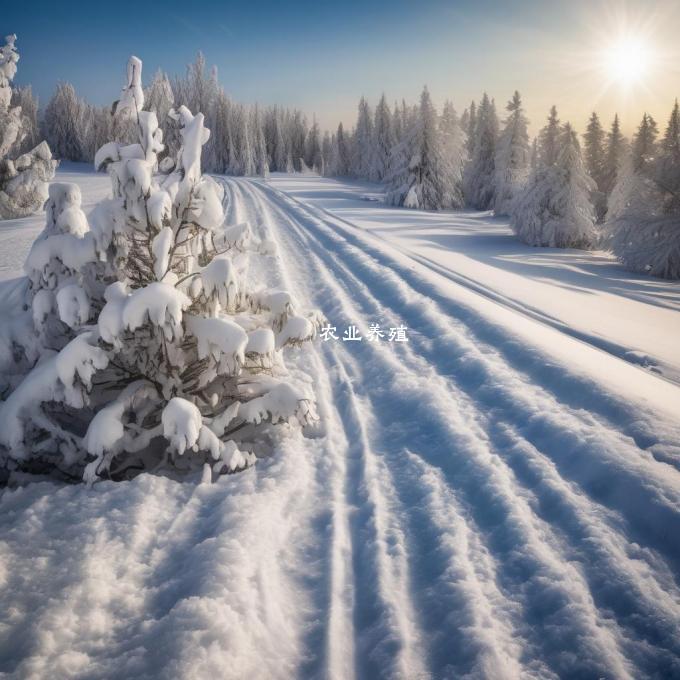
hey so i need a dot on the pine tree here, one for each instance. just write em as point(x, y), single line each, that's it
point(594, 157)
point(555, 209)
point(512, 157)
point(160, 98)
point(644, 142)
point(383, 141)
point(549, 140)
point(593, 149)
point(533, 160)
point(480, 174)
point(643, 226)
point(24, 99)
point(24, 174)
point(297, 133)
point(62, 123)
point(471, 129)
point(152, 368)
point(668, 168)
point(362, 151)
point(313, 147)
point(260, 150)
point(616, 147)
point(424, 177)
point(279, 152)
point(453, 143)
point(326, 153)
point(397, 127)
point(340, 164)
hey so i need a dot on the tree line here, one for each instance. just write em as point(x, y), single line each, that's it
point(558, 190)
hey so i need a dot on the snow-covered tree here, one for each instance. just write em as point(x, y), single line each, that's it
point(533, 158)
point(340, 154)
point(593, 148)
point(362, 147)
point(512, 157)
point(23, 176)
point(453, 143)
point(555, 210)
point(616, 148)
point(470, 127)
point(297, 135)
point(162, 355)
point(383, 141)
point(313, 147)
point(423, 175)
point(594, 158)
point(549, 140)
point(23, 97)
point(159, 97)
point(480, 174)
point(643, 224)
point(63, 123)
point(644, 142)
point(326, 152)
point(260, 146)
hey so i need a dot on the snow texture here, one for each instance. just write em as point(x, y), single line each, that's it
point(496, 498)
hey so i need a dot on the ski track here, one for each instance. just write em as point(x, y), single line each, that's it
point(464, 508)
point(539, 555)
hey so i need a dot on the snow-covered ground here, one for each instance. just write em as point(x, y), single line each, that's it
point(586, 295)
point(499, 497)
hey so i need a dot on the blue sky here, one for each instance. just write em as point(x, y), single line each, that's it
point(321, 56)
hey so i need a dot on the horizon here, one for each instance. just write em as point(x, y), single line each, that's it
point(582, 58)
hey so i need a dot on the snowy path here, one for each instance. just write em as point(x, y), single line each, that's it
point(483, 504)
point(490, 523)
point(586, 295)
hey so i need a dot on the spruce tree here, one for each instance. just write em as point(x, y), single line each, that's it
point(512, 157)
point(643, 227)
point(140, 345)
point(480, 174)
point(555, 209)
point(453, 142)
point(383, 141)
point(594, 157)
point(644, 142)
point(549, 140)
point(362, 152)
point(24, 174)
point(423, 176)
point(616, 147)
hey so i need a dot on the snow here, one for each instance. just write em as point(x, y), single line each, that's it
point(498, 497)
point(182, 422)
point(73, 305)
point(160, 247)
point(223, 340)
point(585, 295)
point(221, 283)
point(17, 236)
point(160, 303)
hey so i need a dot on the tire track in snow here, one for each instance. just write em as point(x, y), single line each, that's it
point(639, 596)
point(483, 371)
point(387, 639)
point(611, 660)
point(641, 603)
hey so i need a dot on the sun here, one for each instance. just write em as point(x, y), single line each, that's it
point(627, 61)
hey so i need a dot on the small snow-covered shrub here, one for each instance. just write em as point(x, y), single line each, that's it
point(23, 179)
point(142, 345)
